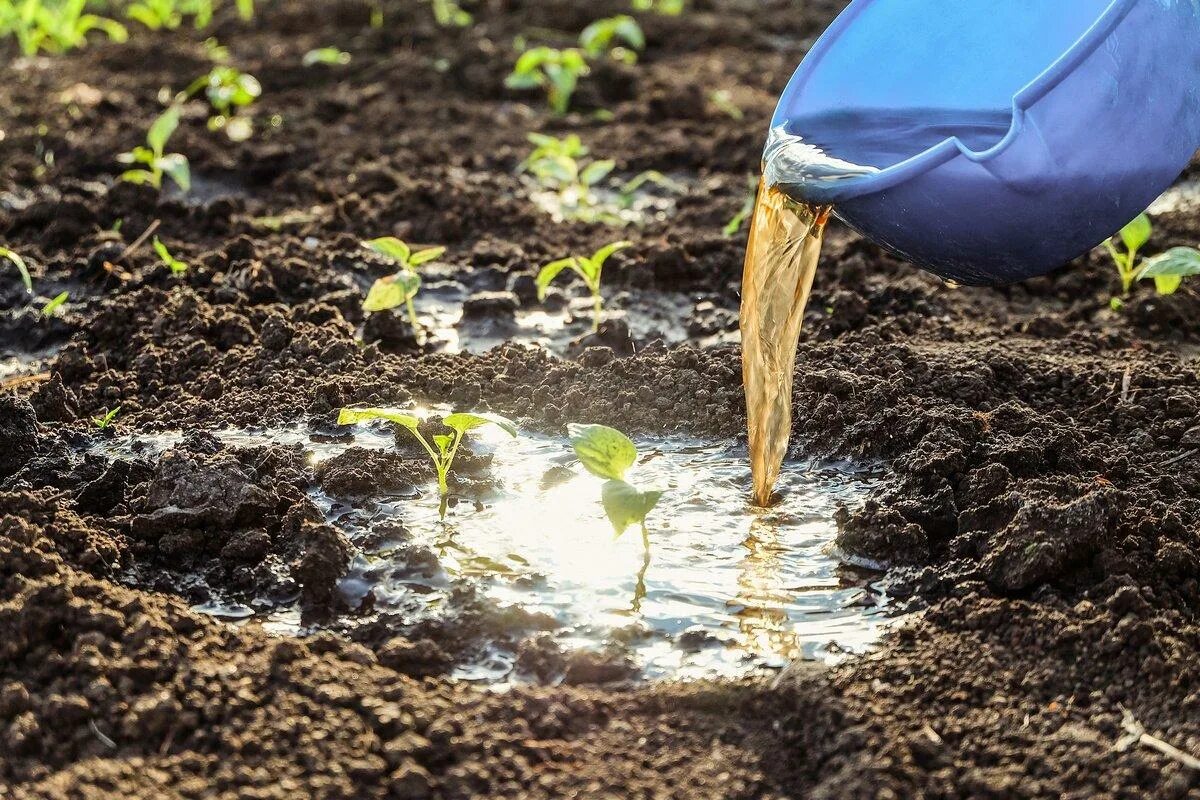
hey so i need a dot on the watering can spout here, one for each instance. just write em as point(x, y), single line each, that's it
point(991, 142)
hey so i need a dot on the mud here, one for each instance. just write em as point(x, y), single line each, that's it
point(1042, 510)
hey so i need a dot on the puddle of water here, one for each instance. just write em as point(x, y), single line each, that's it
point(729, 588)
point(647, 203)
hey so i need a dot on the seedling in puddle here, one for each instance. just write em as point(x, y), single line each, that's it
point(41, 26)
point(155, 162)
point(22, 268)
point(105, 418)
point(227, 89)
point(401, 288)
point(589, 268)
point(556, 71)
point(444, 447)
point(325, 55)
point(606, 36)
point(172, 263)
point(53, 307)
point(449, 14)
point(558, 165)
point(607, 453)
point(629, 189)
point(1167, 269)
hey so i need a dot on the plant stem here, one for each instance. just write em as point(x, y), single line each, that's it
point(412, 313)
point(597, 310)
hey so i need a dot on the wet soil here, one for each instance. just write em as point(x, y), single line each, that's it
point(1042, 510)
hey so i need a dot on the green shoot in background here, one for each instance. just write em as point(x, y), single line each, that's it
point(172, 263)
point(155, 162)
point(606, 36)
point(1166, 269)
point(54, 26)
point(670, 8)
point(449, 14)
point(55, 306)
point(326, 55)
point(608, 454)
point(228, 89)
point(443, 447)
point(401, 288)
point(558, 165)
point(739, 219)
point(553, 70)
point(22, 267)
point(589, 268)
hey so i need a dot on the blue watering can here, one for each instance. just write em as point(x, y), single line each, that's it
point(990, 141)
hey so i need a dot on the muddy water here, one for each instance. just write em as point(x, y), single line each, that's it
point(729, 588)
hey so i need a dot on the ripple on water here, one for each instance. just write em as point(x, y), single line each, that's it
point(729, 588)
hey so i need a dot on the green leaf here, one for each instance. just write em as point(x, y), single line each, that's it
point(1178, 262)
point(176, 166)
point(466, 421)
point(391, 247)
point(139, 176)
point(392, 291)
point(422, 256)
point(162, 128)
point(1136, 233)
point(443, 442)
point(625, 505)
point(51, 308)
point(596, 171)
point(524, 80)
point(548, 273)
point(605, 452)
point(1167, 284)
point(601, 255)
point(351, 416)
point(325, 55)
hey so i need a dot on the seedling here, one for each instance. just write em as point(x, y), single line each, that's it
point(449, 14)
point(627, 195)
point(1167, 269)
point(1133, 236)
point(722, 100)
point(58, 27)
point(558, 165)
point(606, 35)
point(588, 268)
point(443, 447)
point(172, 263)
point(156, 14)
point(21, 266)
point(390, 292)
point(157, 163)
point(326, 55)
point(228, 89)
point(608, 454)
point(671, 8)
point(52, 307)
point(105, 418)
point(739, 219)
point(556, 71)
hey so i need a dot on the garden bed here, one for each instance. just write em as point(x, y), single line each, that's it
point(1034, 455)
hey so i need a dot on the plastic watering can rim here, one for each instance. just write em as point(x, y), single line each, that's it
point(952, 146)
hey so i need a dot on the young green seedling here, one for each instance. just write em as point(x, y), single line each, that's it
point(558, 165)
point(1167, 269)
point(590, 269)
point(172, 263)
point(228, 89)
point(22, 267)
point(330, 56)
point(608, 454)
point(444, 447)
point(556, 71)
point(605, 36)
point(1133, 236)
point(156, 163)
point(58, 27)
point(628, 193)
point(449, 14)
point(1170, 268)
point(156, 14)
point(671, 8)
point(52, 307)
point(390, 292)
point(105, 418)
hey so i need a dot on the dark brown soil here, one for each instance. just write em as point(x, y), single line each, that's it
point(1043, 510)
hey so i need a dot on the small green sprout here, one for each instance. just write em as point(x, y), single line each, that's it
point(556, 71)
point(605, 36)
point(53, 307)
point(228, 89)
point(722, 100)
point(157, 14)
point(449, 14)
point(326, 55)
point(390, 292)
point(444, 447)
point(1133, 236)
point(739, 219)
point(558, 165)
point(627, 195)
point(157, 163)
point(1170, 268)
point(22, 267)
point(54, 27)
point(172, 263)
point(589, 269)
point(1167, 269)
point(608, 454)
point(670, 8)
point(105, 417)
